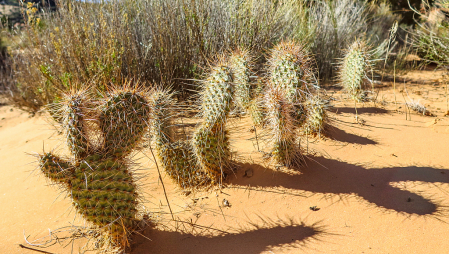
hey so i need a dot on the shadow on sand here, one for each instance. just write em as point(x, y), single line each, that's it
point(338, 180)
point(249, 241)
point(366, 110)
point(340, 135)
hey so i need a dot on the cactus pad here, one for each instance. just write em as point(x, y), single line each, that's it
point(353, 70)
point(240, 63)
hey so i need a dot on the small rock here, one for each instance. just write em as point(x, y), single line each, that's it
point(226, 203)
point(248, 173)
point(186, 193)
point(314, 208)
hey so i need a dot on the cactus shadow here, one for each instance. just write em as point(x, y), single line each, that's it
point(338, 180)
point(257, 240)
point(361, 110)
point(340, 135)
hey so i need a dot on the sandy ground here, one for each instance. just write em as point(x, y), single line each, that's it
point(380, 187)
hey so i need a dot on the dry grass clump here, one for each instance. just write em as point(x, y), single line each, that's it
point(431, 36)
point(336, 23)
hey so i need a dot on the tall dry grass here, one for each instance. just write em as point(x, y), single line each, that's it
point(337, 23)
point(163, 41)
point(430, 38)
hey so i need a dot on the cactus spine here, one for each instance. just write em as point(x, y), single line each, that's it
point(210, 141)
point(353, 70)
point(176, 157)
point(100, 183)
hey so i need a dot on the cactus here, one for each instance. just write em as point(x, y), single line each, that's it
point(290, 69)
point(176, 157)
point(354, 69)
point(99, 180)
point(281, 125)
point(240, 63)
point(210, 141)
point(316, 121)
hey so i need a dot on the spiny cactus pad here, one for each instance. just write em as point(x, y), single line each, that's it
point(104, 192)
point(290, 69)
point(354, 69)
point(316, 120)
point(73, 123)
point(99, 179)
point(240, 63)
point(116, 115)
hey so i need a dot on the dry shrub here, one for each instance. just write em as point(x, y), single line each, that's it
point(431, 35)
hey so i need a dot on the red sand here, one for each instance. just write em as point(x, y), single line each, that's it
point(381, 187)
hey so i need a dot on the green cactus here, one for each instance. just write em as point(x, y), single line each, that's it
point(74, 124)
point(290, 69)
point(122, 109)
point(354, 69)
point(176, 157)
point(316, 121)
point(282, 127)
point(99, 179)
point(240, 63)
point(210, 141)
point(256, 110)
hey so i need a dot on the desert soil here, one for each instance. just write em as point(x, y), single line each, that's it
point(377, 187)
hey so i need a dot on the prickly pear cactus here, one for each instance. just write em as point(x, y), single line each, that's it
point(256, 109)
point(98, 178)
point(354, 69)
point(210, 141)
point(282, 127)
point(240, 63)
point(316, 121)
point(176, 157)
point(290, 69)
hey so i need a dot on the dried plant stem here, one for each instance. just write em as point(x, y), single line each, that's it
point(447, 102)
point(257, 141)
point(41, 251)
point(162, 182)
point(394, 85)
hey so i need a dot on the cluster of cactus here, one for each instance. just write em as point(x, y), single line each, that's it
point(205, 157)
point(354, 70)
point(291, 88)
point(98, 178)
